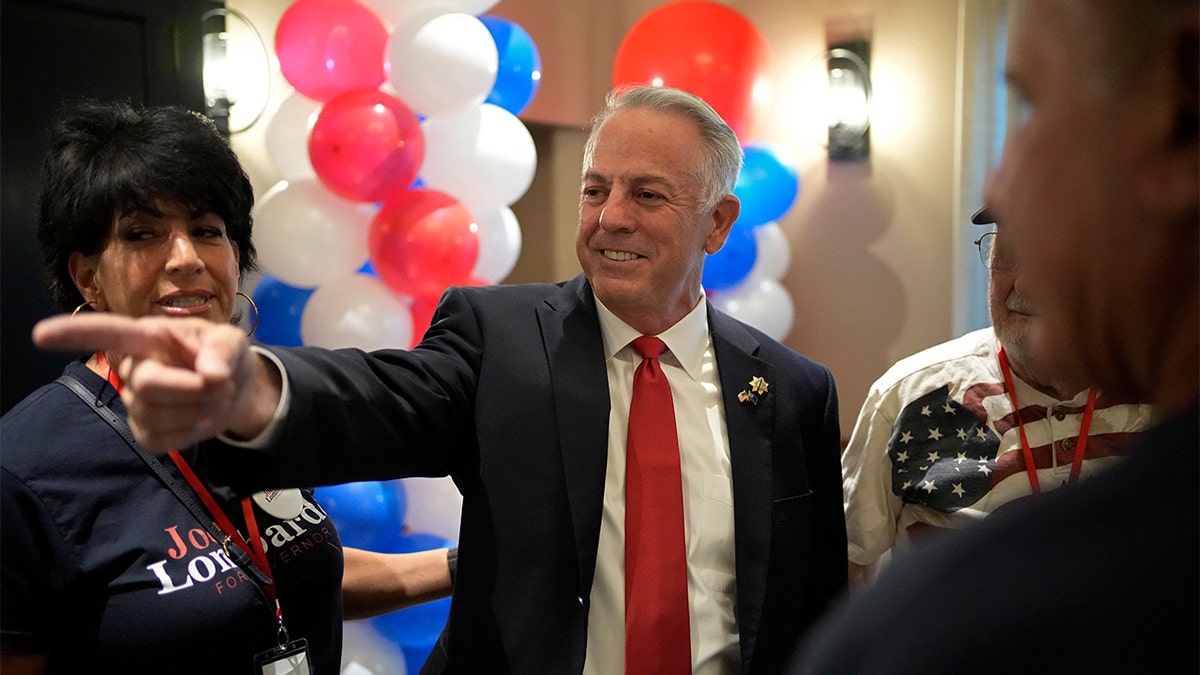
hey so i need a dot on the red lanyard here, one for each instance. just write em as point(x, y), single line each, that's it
point(1080, 445)
point(254, 548)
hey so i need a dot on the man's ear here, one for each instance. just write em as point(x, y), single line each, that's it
point(725, 213)
point(1168, 183)
point(1186, 50)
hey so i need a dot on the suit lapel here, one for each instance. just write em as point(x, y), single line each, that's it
point(750, 426)
point(575, 354)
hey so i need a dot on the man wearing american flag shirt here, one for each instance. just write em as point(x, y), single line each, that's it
point(937, 445)
point(1096, 193)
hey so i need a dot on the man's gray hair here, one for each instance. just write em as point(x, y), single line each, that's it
point(722, 151)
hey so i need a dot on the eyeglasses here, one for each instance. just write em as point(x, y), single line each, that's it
point(990, 259)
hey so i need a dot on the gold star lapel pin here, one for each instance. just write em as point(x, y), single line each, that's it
point(758, 388)
point(758, 385)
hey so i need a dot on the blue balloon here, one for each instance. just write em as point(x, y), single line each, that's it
point(767, 185)
point(519, 71)
point(416, 656)
point(415, 628)
point(411, 542)
point(280, 307)
point(368, 514)
point(730, 266)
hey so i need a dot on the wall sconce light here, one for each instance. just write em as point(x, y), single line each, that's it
point(849, 72)
point(237, 79)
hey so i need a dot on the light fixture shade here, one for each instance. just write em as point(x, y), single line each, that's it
point(849, 101)
point(216, 73)
point(236, 70)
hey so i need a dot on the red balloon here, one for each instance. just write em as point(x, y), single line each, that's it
point(708, 49)
point(366, 146)
point(327, 47)
point(422, 315)
point(423, 241)
point(422, 309)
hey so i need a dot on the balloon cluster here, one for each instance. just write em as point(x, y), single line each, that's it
point(397, 516)
point(716, 53)
point(400, 153)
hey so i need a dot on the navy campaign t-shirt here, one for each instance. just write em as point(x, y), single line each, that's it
point(102, 564)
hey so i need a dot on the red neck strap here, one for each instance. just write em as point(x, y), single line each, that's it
point(253, 547)
point(1080, 445)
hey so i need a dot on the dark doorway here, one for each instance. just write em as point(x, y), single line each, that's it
point(144, 51)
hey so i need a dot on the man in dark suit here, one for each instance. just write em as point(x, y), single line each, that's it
point(521, 394)
point(1099, 197)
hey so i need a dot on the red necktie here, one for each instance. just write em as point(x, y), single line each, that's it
point(656, 598)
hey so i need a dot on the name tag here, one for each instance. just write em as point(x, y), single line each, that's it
point(290, 659)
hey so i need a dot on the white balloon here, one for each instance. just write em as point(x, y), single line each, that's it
point(484, 158)
point(367, 652)
point(499, 244)
point(306, 235)
point(356, 311)
point(774, 252)
point(446, 67)
point(434, 506)
point(762, 303)
point(287, 136)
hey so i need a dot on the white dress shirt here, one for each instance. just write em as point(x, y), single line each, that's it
point(691, 369)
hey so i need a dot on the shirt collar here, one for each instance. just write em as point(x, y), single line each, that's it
point(686, 340)
point(1028, 394)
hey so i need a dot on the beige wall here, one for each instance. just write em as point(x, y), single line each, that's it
point(875, 244)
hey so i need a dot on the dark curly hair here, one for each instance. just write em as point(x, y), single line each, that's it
point(107, 157)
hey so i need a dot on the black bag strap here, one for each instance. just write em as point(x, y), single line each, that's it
point(185, 494)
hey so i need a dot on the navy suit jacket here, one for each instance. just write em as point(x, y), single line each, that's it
point(508, 394)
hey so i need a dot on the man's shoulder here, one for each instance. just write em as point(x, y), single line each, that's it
point(952, 359)
point(731, 336)
point(522, 293)
point(729, 327)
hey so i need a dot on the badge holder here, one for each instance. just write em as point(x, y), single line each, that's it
point(289, 658)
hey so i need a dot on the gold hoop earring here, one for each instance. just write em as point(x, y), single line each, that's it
point(81, 306)
point(254, 307)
